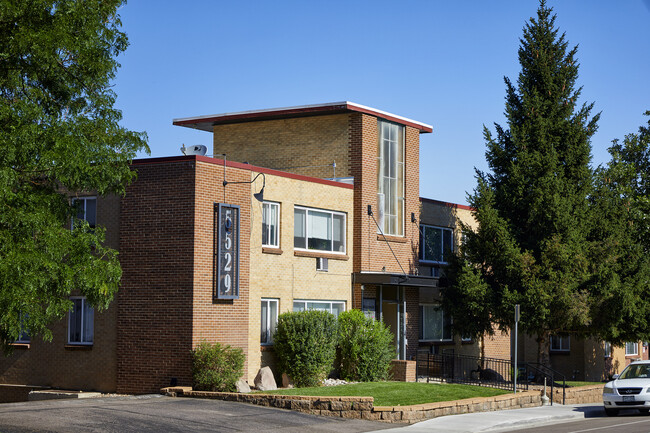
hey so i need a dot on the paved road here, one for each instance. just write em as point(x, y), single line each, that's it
point(628, 422)
point(157, 413)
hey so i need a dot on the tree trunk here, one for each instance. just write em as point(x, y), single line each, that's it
point(544, 348)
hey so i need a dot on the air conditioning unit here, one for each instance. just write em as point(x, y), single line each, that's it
point(321, 264)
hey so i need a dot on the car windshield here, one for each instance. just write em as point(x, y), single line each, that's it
point(634, 371)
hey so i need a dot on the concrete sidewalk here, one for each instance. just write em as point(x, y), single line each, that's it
point(504, 420)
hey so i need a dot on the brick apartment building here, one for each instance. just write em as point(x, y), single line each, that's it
point(205, 257)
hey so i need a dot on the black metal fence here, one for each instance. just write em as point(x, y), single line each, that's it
point(493, 372)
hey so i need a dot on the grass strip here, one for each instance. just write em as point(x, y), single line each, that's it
point(397, 393)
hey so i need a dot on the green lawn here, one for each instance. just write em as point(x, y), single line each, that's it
point(573, 383)
point(397, 393)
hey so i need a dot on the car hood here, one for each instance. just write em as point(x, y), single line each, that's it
point(629, 383)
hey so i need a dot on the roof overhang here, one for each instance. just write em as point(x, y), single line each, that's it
point(206, 123)
point(389, 279)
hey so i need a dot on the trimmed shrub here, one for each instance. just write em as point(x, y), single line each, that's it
point(365, 347)
point(216, 367)
point(304, 344)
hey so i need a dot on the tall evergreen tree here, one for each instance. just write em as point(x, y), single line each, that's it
point(621, 202)
point(532, 245)
point(59, 135)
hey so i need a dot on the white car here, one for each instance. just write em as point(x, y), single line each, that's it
point(629, 390)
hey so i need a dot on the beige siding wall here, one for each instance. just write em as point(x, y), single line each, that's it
point(283, 275)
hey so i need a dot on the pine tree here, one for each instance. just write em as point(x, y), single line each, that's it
point(59, 135)
point(532, 246)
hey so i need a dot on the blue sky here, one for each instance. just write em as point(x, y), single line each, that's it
point(438, 62)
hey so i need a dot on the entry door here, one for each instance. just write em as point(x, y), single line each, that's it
point(390, 315)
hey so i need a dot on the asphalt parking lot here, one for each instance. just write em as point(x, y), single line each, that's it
point(153, 413)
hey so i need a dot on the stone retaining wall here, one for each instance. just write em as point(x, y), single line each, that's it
point(363, 407)
point(582, 394)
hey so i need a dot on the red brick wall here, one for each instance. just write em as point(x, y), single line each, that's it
point(166, 250)
point(155, 301)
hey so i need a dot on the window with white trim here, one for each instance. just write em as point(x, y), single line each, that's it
point(560, 343)
point(435, 325)
point(81, 322)
point(334, 307)
point(269, 320)
point(270, 224)
point(436, 243)
point(320, 230)
point(86, 209)
point(390, 176)
point(631, 348)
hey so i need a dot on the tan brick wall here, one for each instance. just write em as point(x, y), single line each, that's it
point(283, 143)
point(497, 345)
point(289, 277)
point(57, 364)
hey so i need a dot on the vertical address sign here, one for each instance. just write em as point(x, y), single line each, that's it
point(227, 251)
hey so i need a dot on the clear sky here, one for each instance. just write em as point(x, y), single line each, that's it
point(438, 62)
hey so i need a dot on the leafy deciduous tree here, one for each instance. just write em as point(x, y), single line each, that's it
point(59, 133)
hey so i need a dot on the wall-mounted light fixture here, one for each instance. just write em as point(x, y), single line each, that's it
point(258, 195)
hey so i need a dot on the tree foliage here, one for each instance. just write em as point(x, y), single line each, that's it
point(533, 245)
point(60, 136)
point(621, 201)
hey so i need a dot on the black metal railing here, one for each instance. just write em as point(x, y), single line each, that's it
point(471, 370)
point(493, 372)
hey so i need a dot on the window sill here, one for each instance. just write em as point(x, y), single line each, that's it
point(320, 254)
point(389, 238)
point(560, 352)
point(466, 341)
point(20, 345)
point(436, 342)
point(271, 250)
point(78, 347)
point(267, 348)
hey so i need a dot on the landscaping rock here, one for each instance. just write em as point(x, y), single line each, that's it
point(242, 386)
point(286, 381)
point(264, 381)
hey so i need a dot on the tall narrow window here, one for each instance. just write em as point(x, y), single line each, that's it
point(24, 332)
point(81, 322)
point(86, 209)
point(270, 224)
point(269, 320)
point(390, 177)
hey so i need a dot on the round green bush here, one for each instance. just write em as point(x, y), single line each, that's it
point(216, 367)
point(304, 344)
point(365, 347)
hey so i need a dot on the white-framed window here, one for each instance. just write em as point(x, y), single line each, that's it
point(607, 349)
point(334, 307)
point(390, 176)
point(270, 224)
point(86, 209)
point(24, 336)
point(435, 325)
point(560, 343)
point(321, 230)
point(81, 320)
point(631, 348)
point(436, 243)
point(269, 320)
point(465, 339)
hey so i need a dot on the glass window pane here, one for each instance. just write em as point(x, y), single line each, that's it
point(337, 308)
point(74, 334)
point(339, 233)
point(320, 306)
point(446, 244)
point(88, 323)
point(298, 306)
point(320, 230)
point(273, 318)
point(264, 321)
point(299, 229)
point(91, 211)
